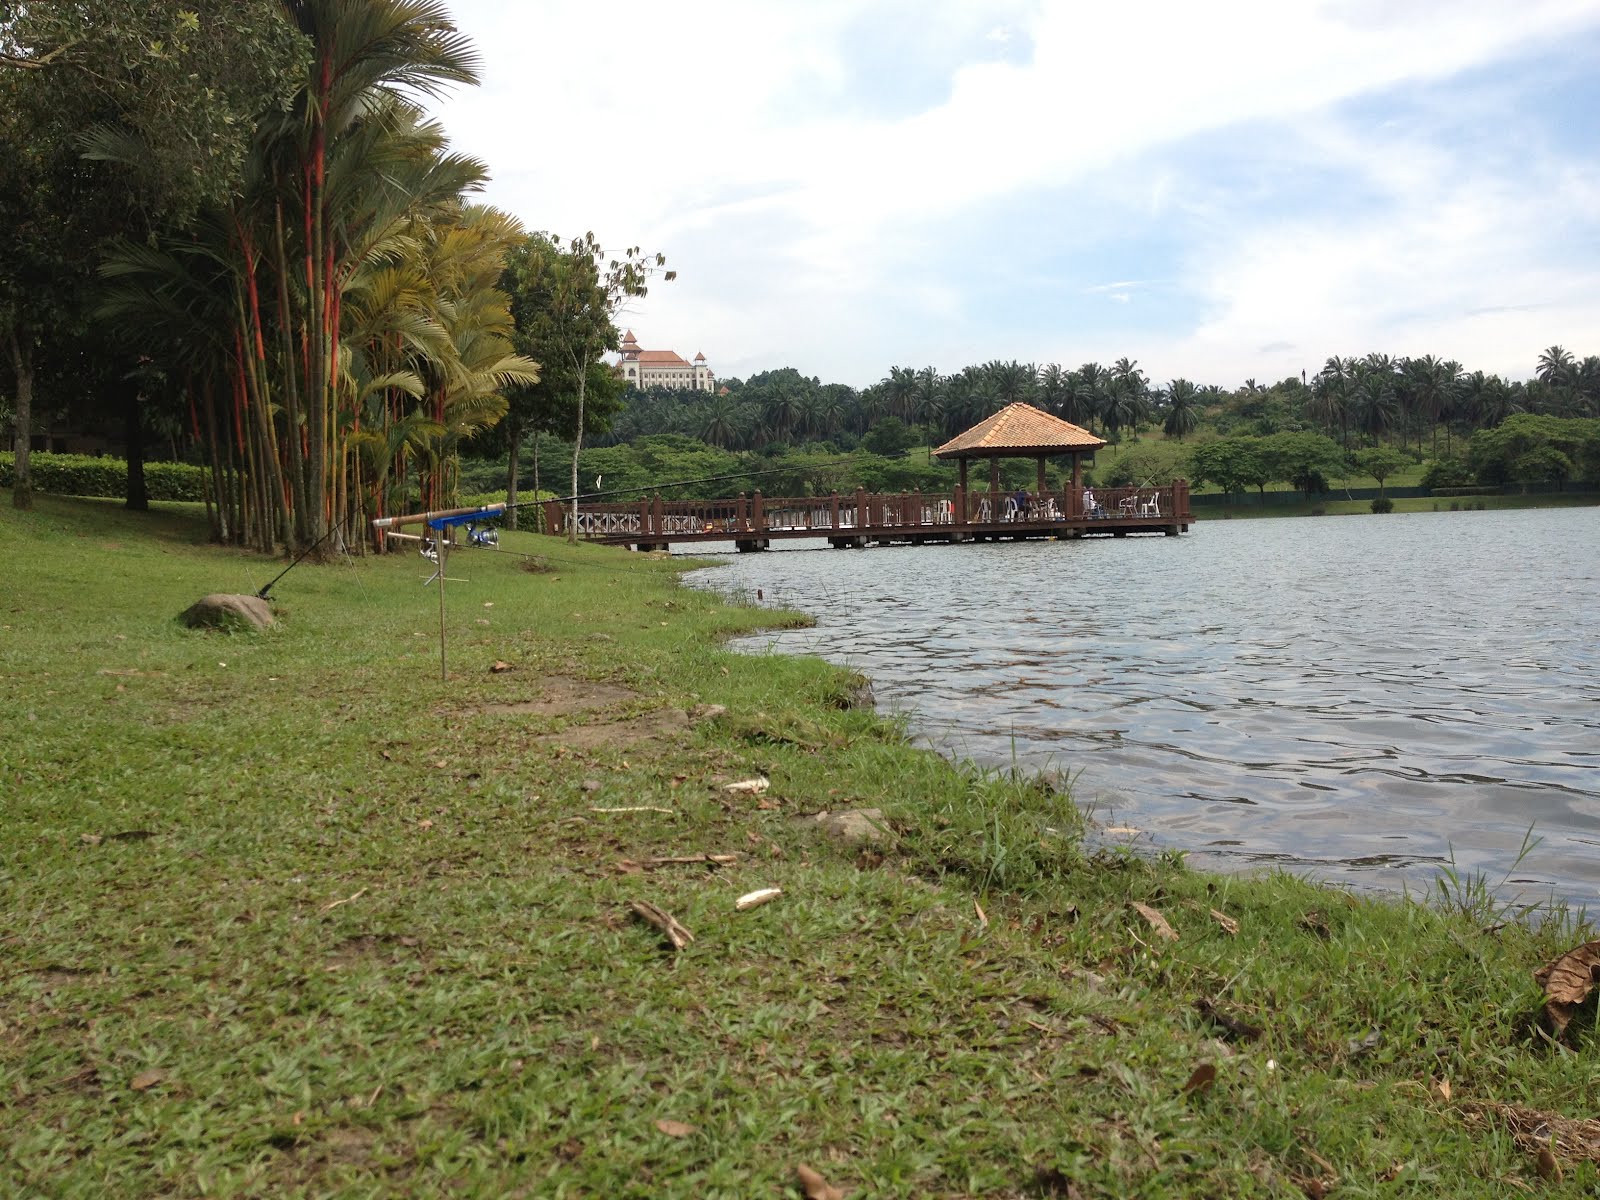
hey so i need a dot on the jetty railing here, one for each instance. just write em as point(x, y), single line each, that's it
point(862, 513)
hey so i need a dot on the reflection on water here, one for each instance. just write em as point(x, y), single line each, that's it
point(1354, 697)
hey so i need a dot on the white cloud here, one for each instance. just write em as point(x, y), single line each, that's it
point(813, 231)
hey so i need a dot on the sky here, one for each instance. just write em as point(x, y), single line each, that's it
point(1222, 190)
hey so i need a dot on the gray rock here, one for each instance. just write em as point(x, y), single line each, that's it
point(223, 611)
point(856, 826)
point(707, 712)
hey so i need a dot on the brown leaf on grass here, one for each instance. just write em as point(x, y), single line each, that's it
point(676, 1128)
point(1204, 1077)
point(145, 1080)
point(815, 1186)
point(664, 921)
point(90, 839)
point(1228, 924)
point(983, 917)
point(1567, 982)
point(500, 667)
point(1443, 1088)
point(1158, 923)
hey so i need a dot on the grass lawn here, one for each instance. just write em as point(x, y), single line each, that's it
point(290, 916)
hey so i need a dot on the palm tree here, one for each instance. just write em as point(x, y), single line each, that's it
point(1013, 381)
point(1053, 387)
point(1556, 367)
point(1181, 416)
point(1089, 395)
point(1374, 403)
point(900, 392)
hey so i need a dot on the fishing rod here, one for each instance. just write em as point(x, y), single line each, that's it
point(332, 529)
point(655, 487)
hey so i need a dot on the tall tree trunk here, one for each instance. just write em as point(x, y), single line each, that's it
point(538, 509)
point(514, 436)
point(577, 445)
point(22, 440)
point(133, 434)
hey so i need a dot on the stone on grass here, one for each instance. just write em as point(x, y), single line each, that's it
point(223, 611)
point(856, 826)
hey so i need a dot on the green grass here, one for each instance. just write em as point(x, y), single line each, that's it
point(291, 916)
point(1402, 504)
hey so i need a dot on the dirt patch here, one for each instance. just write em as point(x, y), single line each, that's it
point(368, 945)
point(562, 694)
point(665, 724)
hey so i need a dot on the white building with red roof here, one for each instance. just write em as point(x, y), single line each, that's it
point(663, 368)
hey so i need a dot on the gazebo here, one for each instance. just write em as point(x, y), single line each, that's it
point(1021, 431)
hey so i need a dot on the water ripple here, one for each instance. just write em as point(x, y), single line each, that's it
point(1295, 693)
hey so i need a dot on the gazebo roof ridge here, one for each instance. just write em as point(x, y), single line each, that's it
point(1020, 430)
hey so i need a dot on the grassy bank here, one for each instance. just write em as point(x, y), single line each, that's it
point(290, 916)
point(1332, 507)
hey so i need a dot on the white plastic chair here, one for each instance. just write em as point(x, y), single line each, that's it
point(1152, 506)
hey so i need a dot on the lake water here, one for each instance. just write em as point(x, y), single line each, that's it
point(1353, 698)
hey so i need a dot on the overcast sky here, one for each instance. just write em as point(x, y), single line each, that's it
point(1219, 190)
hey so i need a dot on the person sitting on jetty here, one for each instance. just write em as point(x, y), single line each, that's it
point(1091, 506)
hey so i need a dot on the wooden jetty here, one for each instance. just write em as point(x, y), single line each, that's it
point(863, 518)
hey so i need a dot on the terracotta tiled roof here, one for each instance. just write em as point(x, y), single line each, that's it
point(1019, 429)
point(700, 357)
point(662, 358)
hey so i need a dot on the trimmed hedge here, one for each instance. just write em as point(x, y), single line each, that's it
point(84, 475)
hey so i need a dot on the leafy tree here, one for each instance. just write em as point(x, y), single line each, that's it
point(115, 116)
point(576, 292)
point(1380, 462)
point(1305, 460)
point(891, 437)
point(1231, 463)
point(1447, 473)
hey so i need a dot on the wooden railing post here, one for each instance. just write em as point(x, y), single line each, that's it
point(863, 519)
point(758, 515)
point(916, 507)
point(833, 510)
point(958, 510)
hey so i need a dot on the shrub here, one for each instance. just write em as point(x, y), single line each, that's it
point(1382, 504)
point(1447, 473)
point(85, 475)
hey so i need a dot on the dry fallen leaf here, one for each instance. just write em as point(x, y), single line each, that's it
point(145, 1080)
point(1443, 1088)
point(1158, 923)
point(500, 667)
point(1228, 924)
point(748, 787)
point(1205, 1075)
point(1567, 982)
point(815, 1186)
point(675, 1128)
point(983, 918)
